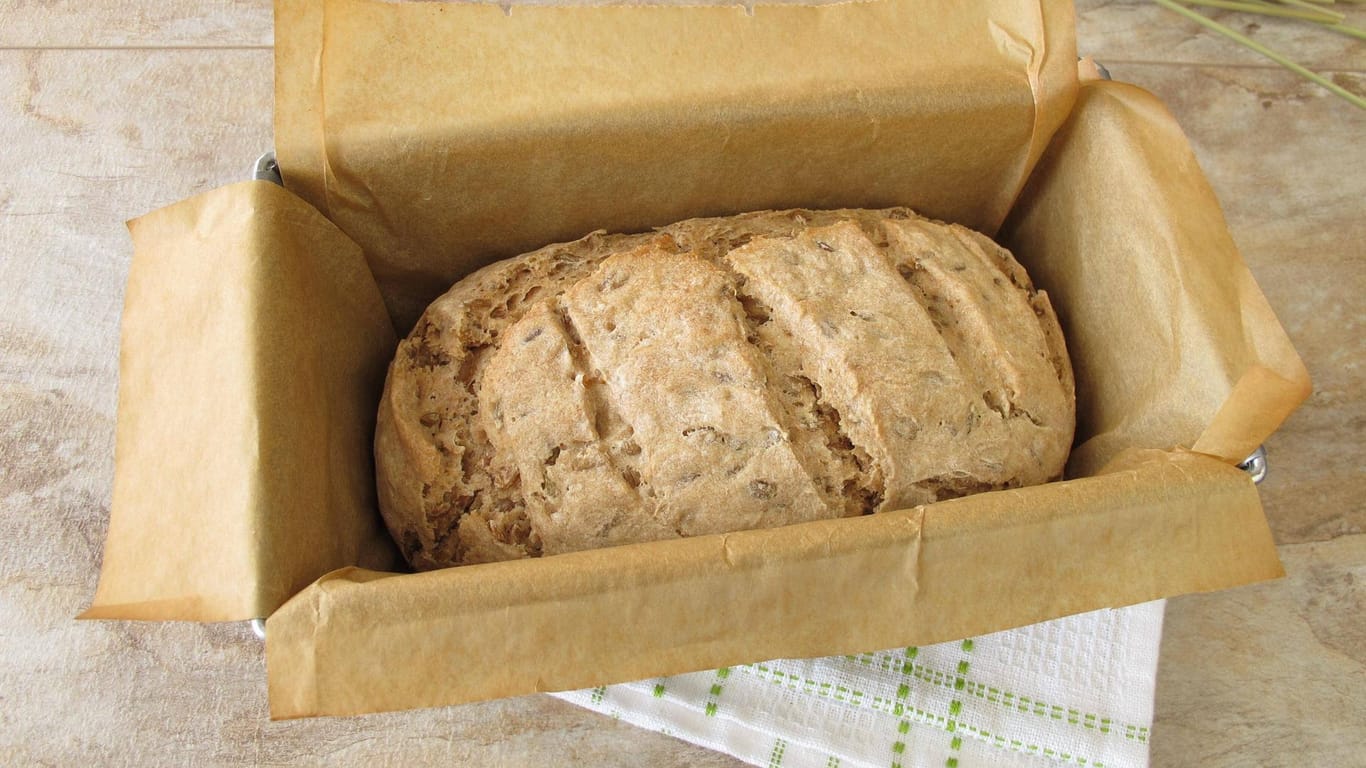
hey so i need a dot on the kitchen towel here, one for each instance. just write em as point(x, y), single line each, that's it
point(1074, 691)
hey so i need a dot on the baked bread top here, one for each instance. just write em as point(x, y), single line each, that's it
point(718, 375)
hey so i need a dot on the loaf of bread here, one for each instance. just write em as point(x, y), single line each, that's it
point(718, 375)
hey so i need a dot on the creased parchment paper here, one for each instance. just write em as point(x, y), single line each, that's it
point(442, 136)
point(359, 641)
point(253, 352)
point(1119, 225)
point(1171, 340)
point(1179, 355)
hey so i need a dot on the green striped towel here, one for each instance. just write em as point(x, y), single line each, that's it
point(1076, 691)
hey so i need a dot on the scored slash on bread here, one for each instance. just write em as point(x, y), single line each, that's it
point(717, 375)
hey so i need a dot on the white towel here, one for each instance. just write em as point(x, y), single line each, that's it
point(1075, 691)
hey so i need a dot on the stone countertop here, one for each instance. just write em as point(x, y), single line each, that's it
point(115, 108)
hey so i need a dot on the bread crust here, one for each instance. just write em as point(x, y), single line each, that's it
point(716, 375)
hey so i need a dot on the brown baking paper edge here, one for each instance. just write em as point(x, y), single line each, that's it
point(444, 136)
point(359, 641)
point(1171, 341)
point(254, 345)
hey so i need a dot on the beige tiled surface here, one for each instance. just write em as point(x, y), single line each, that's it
point(113, 108)
point(1269, 674)
point(1137, 30)
point(136, 23)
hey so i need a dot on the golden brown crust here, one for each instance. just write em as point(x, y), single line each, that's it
point(717, 375)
